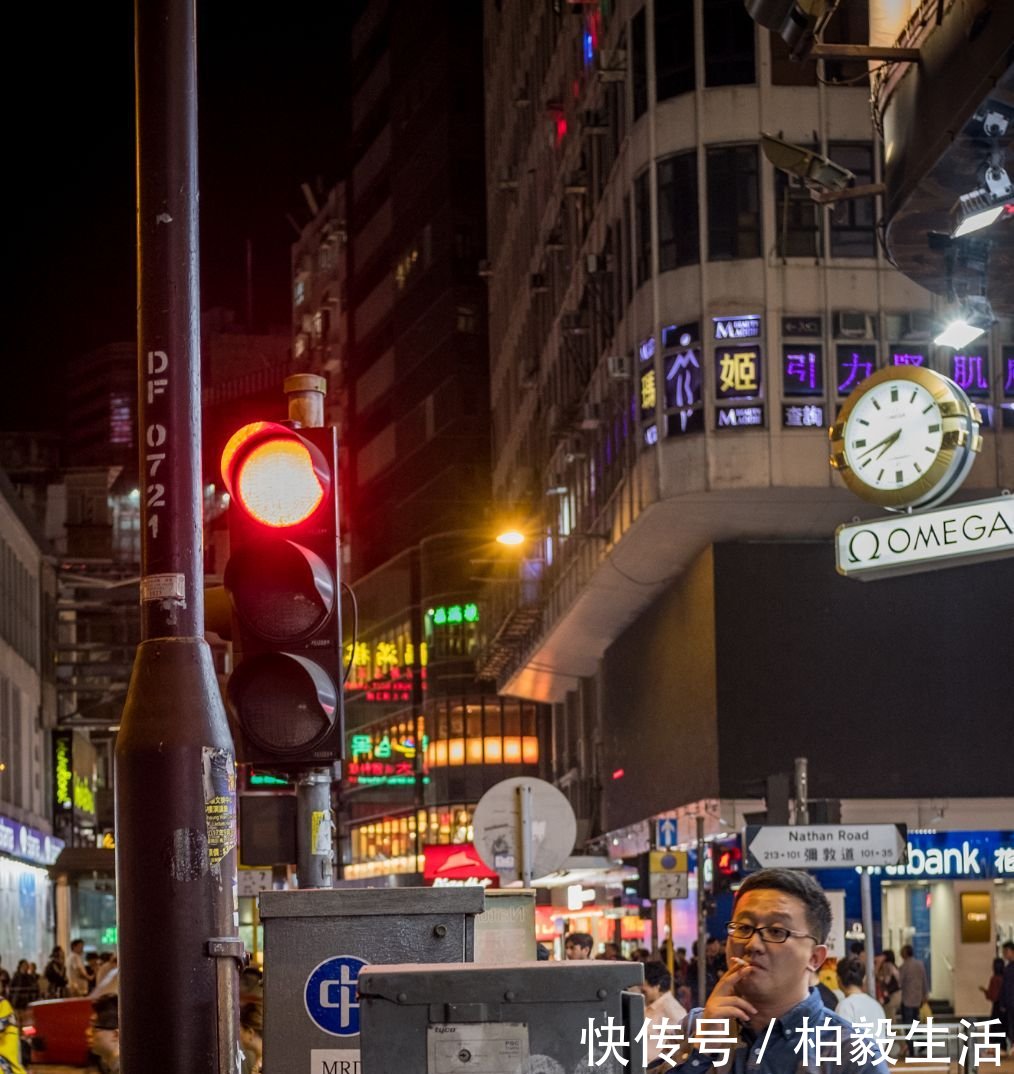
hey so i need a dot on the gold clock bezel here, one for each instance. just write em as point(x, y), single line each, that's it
point(957, 424)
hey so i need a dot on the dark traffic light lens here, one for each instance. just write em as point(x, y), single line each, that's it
point(284, 703)
point(281, 591)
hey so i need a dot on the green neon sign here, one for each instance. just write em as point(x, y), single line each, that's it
point(453, 614)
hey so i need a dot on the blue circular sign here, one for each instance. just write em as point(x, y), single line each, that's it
point(331, 996)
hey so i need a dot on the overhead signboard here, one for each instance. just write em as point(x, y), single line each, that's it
point(824, 846)
point(928, 540)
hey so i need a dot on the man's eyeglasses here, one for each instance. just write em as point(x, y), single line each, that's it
point(740, 930)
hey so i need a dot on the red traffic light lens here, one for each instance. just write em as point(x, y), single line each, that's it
point(275, 475)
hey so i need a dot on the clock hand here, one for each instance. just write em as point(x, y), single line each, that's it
point(889, 443)
point(885, 443)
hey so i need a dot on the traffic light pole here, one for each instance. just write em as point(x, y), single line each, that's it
point(175, 769)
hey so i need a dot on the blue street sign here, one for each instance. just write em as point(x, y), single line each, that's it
point(666, 833)
point(330, 995)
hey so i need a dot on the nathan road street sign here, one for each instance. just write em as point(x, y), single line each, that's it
point(667, 874)
point(824, 846)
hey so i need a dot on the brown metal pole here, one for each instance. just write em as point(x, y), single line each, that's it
point(175, 765)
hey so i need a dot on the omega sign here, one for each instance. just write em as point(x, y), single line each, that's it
point(946, 537)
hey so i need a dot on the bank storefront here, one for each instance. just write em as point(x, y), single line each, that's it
point(26, 892)
point(953, 901)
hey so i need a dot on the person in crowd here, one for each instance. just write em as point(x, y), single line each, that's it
point(542, 952)
point(577, 946)
point(251, 983)
point(828, 996)
point(78, 982)
point(251, 1037)
point(857, 1006)
point(1007, 992)
point(55, 974)
point(777, 941)
point(994, 993)
point(5, 981)
point(611, 953)
point(681, 967)
point(857, 949)
point(10, 1040)
point(659, 1003)
point(104, 1032)
point(107, 977)
point(889, 984)
point(914, 988)
point(24, 989)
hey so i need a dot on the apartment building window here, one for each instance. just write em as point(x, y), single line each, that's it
point(639, 62)
point(733, 203)
point(624, 250)
point(678, 242)
point(674, 48)
point(853, 221)
point(797, 217)
point(642, 228)
point(728, 44)
point(849, 25)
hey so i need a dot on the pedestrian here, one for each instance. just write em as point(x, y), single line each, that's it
point(577, 946)
point(914, 987)
point(858, 1006)
point(777, 940)
point(24, 989)
point(994, 993)
point(5, 982)
point(104, 1032)
point(107, 977)
point(1007, 993)
point(55, 974)
point(78, 982)
point(251, 1037)
point(10, 1040)
point(611, 953)
point(661, 1008)
point(889, 984)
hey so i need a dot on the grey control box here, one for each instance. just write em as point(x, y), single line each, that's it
point(527, 1018)
point(317, 941)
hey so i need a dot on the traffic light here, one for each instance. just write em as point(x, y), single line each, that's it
point(282, 577)
point(728, 866)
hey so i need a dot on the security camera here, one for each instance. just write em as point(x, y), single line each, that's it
point(817, 172)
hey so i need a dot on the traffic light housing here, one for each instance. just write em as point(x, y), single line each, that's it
point(282, 577)
point(728, 866)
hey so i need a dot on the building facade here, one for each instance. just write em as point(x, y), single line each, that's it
point(674, 325)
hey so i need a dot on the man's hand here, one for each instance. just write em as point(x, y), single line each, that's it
point(724, 1002)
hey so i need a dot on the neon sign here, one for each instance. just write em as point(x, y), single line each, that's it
point(453, 615)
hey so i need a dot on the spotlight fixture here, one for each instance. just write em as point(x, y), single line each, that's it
point(974, 317)
point(987, 203)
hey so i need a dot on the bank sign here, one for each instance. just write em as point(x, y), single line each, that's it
point(928, 540)
point(955, 856)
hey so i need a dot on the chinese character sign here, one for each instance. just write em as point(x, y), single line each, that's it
point(971, 372)
point(803, 370)
point(803, 416)
point(854, 362)
point(648, 394)
point(1008, 372)
point(737, 372)
point(903, 356)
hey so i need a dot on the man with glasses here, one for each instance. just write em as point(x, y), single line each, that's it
point(104, 1032)
point(776, 1023)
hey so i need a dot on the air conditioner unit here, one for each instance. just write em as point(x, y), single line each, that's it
point(618, 367)
point(537, 282)
point(612, 65)
point(594, 263)
point(917, 324)
point(485, 269)
point(590, 417)
point(851, 325)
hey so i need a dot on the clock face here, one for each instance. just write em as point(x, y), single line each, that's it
point(893, 435)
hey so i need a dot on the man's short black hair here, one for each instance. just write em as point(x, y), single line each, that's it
point(107, 1011)
point(803, 887)
point(657, 975)
point(579, 939)
point(1007, 945)
point(851, 972)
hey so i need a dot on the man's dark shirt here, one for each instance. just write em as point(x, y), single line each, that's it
point(783, 1053)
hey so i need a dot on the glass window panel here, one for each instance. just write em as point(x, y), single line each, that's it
point(674, 48)
point(728, 44)
point(733, 202)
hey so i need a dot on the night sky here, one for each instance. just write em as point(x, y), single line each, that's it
point(272, 84)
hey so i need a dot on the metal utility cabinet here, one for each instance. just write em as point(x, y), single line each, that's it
point(527, 1018)
point(317, 941)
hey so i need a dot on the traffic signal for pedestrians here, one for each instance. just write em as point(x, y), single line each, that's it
point(282, 577)
point(728, 866)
